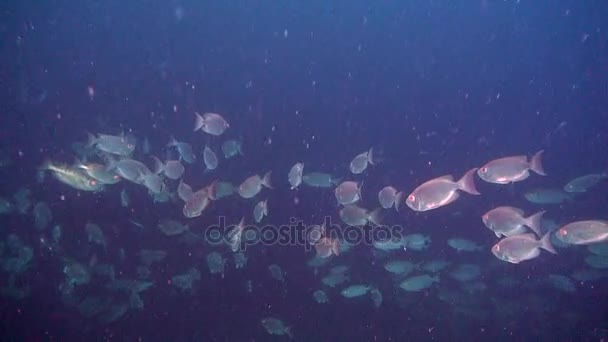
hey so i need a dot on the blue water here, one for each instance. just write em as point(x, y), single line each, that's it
point(436, 87)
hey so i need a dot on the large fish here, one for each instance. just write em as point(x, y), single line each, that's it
point(509, 221)
point(522, 247)
point(120, 145)
point(583, 183)
point(211, 123)
point(511, 169)
point(440, 191)
point(73, 177)
point(584, 232)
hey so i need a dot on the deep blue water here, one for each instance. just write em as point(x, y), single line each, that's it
point(436, 87)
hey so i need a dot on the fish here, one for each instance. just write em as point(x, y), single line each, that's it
point(184, 149)
point(355, 291)
point(260, 210)
point(584, 232)
point(211, 123)
point(199, 201)
point(119, 145)
point(74, 177)
point(232, 148)
point(210, 158)
point(295, 175)
point(584, 183)
point(389, 197)
point(463, 245)
point(275, 326)
point(353, 215)
point(522, 247)
point(548, 196)
point(348, 192)
point(511, 169)
point(172, 227)
point(360, 162)
point(325, 247)
point(99, 172)
point(234, 236)
point(129, 169)
point(173, 169)
point(320, 180)
point(184, 191)
point(440, 191)
point(253, 185)
point(419, 282)
point(507, 221)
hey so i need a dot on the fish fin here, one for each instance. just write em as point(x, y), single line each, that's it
point(91, 139)
point(212, 190)
point(158, 165)
point(536, 165)
point(289, 332)
point(370, 156)
point(375, 217)
point(467, 182)
point(266, 180)
point(534, 222)
point(335, 246)
point(398, 200)
point(497, 234)
point(199, 121)
point(545, 243)
point(359, 187)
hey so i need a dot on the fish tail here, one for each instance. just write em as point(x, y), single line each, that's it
point(212, 190)
point(370, 156)
point(534, 222)
point(375, 217)
point(467, 182)
point(199, 121)
point(335, 247)
point(266, 181)
point(536, 164)
point(398, 200)
point(545, 243)
point(91, 139)
point(172, 142)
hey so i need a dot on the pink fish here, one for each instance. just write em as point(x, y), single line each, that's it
point(440, 191)
point(522, 247)
point(511, 169)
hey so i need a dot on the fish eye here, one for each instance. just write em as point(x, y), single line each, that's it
point(130, 146)
point(92, 182)
point(483, 170)
point(563, 232)
point(497, 248)
point(411, 198)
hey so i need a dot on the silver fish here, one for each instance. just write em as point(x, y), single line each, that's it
point(210, 158)
point(348, 192)
point(389, 196)
point(73, 177)
point(507, 221)
point(184, 149)
point(440, 191)
point(120, 145)
point(295, 175)
point(511, 169)
point(522, 247)
point(173, 169)
point(359, 163)
point(211, 123)
point(253, 185)
point(584, 232)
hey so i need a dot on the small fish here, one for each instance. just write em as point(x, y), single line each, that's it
point(234, 236)
point(389, 196)
point(210, 158)
point(253, 185)
point(99, 172)
point(522, 247)
point(260, 210)
point(173, 169)
point(584, 232)
point(355, 291)
point(275, 326)
point(211, 123)
point(440, 191)
point(184, 149)
point(355, 216)
point(129, 169)
point(348, 192)
point(295, 175)
point(73, 177)
point(463, 245)
point(199, 201)
point(511, 169)
point(120, 145)
point(325, 247)
point(320, 180)
point(419, 282)
point(359, 163)
point(584, 183)
point(184, 191)
point(232, 148)
point(548, 196)
point(507, 221)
